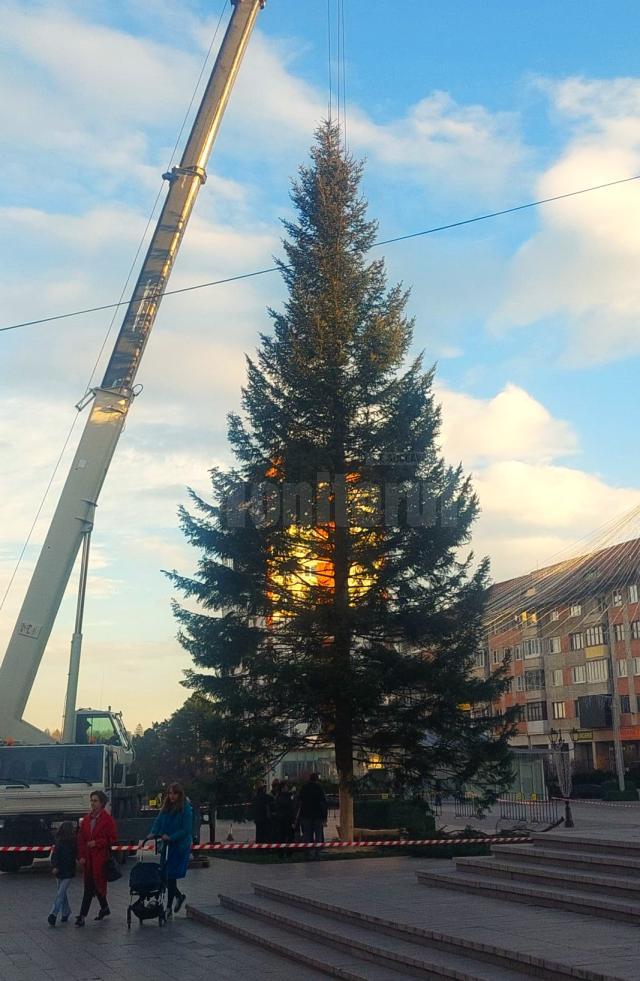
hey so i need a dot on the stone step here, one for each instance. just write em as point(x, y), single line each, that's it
point(513, 960)
point(570, 859)
point(330, 963)
point(401, 957)
point(568, 841)
point(531, 895)
point(612, 884)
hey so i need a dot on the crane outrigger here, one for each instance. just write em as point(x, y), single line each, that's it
point(22, 799)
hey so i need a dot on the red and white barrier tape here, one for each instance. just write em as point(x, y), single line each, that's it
point(600, 803)
point(252, 846)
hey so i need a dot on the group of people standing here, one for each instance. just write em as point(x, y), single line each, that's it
point(90, 846)
point(284, 814)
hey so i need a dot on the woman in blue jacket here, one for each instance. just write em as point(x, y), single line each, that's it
point(174, 824)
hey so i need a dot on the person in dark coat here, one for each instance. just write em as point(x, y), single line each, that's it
point(284, 815)
point(174, 824)
point(273, 828)
point(312, 812)
point(263, 814)
point(96, 835)
point(63, 865)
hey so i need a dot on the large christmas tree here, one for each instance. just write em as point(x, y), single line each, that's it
point(335, 604)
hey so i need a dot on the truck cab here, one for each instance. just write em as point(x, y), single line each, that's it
point(42, 785)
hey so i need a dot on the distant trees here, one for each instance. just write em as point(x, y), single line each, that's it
point(176, 749)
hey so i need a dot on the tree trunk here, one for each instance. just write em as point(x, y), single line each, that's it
point(342, 652)
point(346, 811)
point(344, 766)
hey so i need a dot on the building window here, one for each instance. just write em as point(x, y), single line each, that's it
point(576, 610)
point(495, 657)
point(625, 705)
point(519, 682)
point(481, 659)
point(576, 642)
point(555, 645)
point(533, 680)
point(519, 713)
point(618, 631)
point(536, 711)
point(635, 629)
point(533, 647)
point(622, 668)
point(559, 711)
point(602, 604)
point(554, 616)
point(517, 652)
point(579, 674)
point(594, 636)
point(636, 665)
point(617, 598)
point(633, 593)
point(506, 654)
point(598, 670)
point(557, 678)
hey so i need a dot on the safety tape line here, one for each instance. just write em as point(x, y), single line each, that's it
point(600, 803)
point(248, 846)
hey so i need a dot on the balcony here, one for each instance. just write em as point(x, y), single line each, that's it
point(538, 728)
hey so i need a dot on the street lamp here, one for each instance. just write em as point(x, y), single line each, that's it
point(562, 761)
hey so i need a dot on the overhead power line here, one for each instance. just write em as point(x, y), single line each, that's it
point(386, 241)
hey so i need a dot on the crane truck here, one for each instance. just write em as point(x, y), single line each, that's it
point(43, 782)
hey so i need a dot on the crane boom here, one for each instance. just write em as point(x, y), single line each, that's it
point(74, 514)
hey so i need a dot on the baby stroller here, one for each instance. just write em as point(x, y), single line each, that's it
point(148, 884)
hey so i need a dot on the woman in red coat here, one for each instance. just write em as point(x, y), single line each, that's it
point(96, 835)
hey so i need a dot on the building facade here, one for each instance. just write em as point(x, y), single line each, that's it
point(570, 637)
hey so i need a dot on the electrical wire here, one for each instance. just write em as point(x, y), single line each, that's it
point(566, 578)
point(330, 78)
point(115, 308)
point(344, 78)
point(157, 199)
point(38, 512)
point(387, 241)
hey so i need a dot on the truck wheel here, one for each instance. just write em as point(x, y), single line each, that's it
point(13, 863)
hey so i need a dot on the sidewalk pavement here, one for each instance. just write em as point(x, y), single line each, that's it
point(31, 951)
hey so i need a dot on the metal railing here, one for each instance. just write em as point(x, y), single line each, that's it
point(529, 812)
point(466, 805)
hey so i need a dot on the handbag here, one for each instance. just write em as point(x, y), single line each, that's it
point(111, 869)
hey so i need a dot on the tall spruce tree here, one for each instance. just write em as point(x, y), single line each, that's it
point(335, 606)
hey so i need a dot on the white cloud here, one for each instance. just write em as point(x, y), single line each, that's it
point(510, 426)
point(532, 506)
point(580, 267)
point(466, 148)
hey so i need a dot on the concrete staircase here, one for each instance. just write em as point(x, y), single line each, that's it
point(343, 942)
point(596, 876)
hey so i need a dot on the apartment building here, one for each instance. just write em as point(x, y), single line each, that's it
point(570, 634)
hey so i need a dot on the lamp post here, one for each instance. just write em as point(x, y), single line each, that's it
point(562, 761)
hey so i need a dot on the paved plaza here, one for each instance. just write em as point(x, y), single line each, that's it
point(30, 949)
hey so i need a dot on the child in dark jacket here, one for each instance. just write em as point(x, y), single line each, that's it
point(63, 861)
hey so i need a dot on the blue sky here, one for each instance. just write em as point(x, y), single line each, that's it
point(458, 108)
